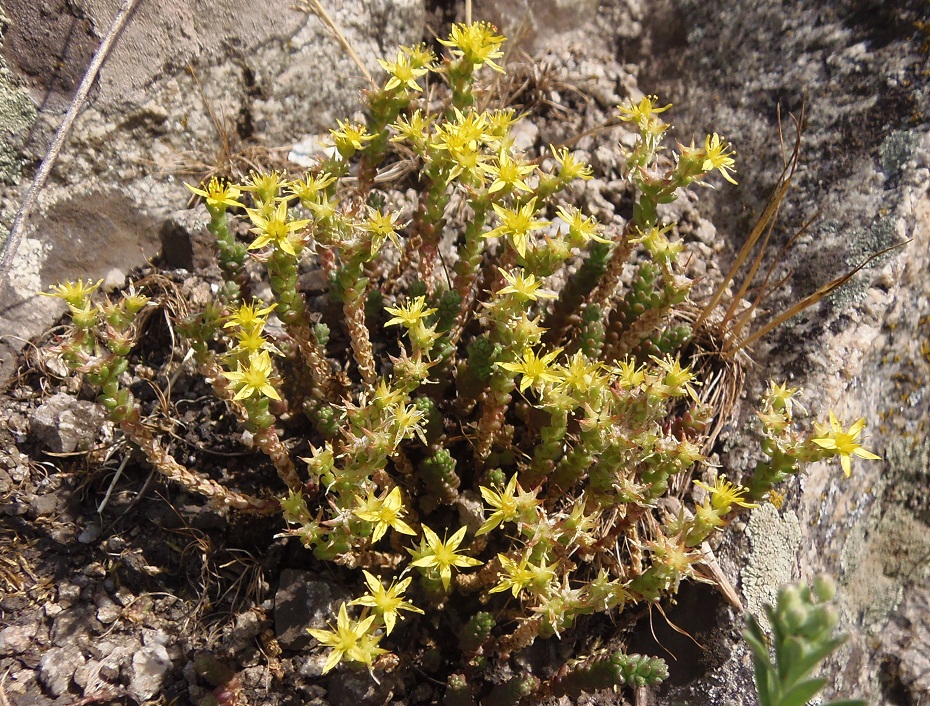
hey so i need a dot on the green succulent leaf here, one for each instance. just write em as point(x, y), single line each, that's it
point(802, 693)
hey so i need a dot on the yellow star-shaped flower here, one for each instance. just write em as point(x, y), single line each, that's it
point(409, 314)
point(569, 167)
point(350, 138)
point(536, 370)
point(383, 512)
point(525, 288)
point(350, 639)
point(717, 157)
point(265, 187)
point(523, 575)
point(274, 228)
point(724, 495)
point(476, 43)
point(508, 173)
point(845, 444)
point(510, 505)
point(518, 225)
point(74, 293)
point(249, 316)
point(404, 72)
point(642, 114)
point(387, 602)
point(218, 194)
point(441, 556)
point(581, 228)
point(254, 378)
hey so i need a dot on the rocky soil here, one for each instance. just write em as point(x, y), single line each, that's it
point(120, 589)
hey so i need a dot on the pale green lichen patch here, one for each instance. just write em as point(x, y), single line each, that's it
point(896, 151)
point(17, 114)
point(888, 551)
point(861, 244)
point(772, 561)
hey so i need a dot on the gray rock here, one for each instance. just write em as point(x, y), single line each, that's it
point(76, 623)
point(775, 540)
point(108, 613)
point(89, 534)
point(109, 670)
point(539, 23)
point(65, 535)
point(95, 570)
point(91, 677)
point(14, 508)
point(6, 482)
point(246, 627)
point(63, 424)
point(16, 639)
point(43, 505)
point(149, 666)
point(113, 279)
point(524, 134)
point(68, 593)
point(21, 687)
point(155, 637)
point(186, 243)
point(124, 596)
point(312, 665)
point(58, 666)
point(304, 601)
point(86, 673)
point(359, 689)
point(253, 676)
point(115, 659)
point(19, 473)
point(109, 193)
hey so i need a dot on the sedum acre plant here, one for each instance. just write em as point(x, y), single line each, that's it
point(482, 427)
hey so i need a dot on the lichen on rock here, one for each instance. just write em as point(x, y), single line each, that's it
point(773, 559)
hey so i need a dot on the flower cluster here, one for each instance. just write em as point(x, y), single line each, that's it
point(528, 369)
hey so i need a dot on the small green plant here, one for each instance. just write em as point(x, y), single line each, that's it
point(803, 622)
point(510, 451)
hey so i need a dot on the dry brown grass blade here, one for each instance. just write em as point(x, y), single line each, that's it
point(527, 87)
point(3, 699)
point(732, 332)
point(233, 157)
point(223, 132)
point(763, 224)
point(750, 276)
point(679, 630)
point(714, 573)
point(316, 7)
point(811, 299)
point(609, 124)
point(730, 325)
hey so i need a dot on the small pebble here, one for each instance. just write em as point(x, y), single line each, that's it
point(16, 639)
point(149, 666)
point(89, 534)
point(68, 593)
point(107, 614)
point(95, 570)
point(113, 279)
